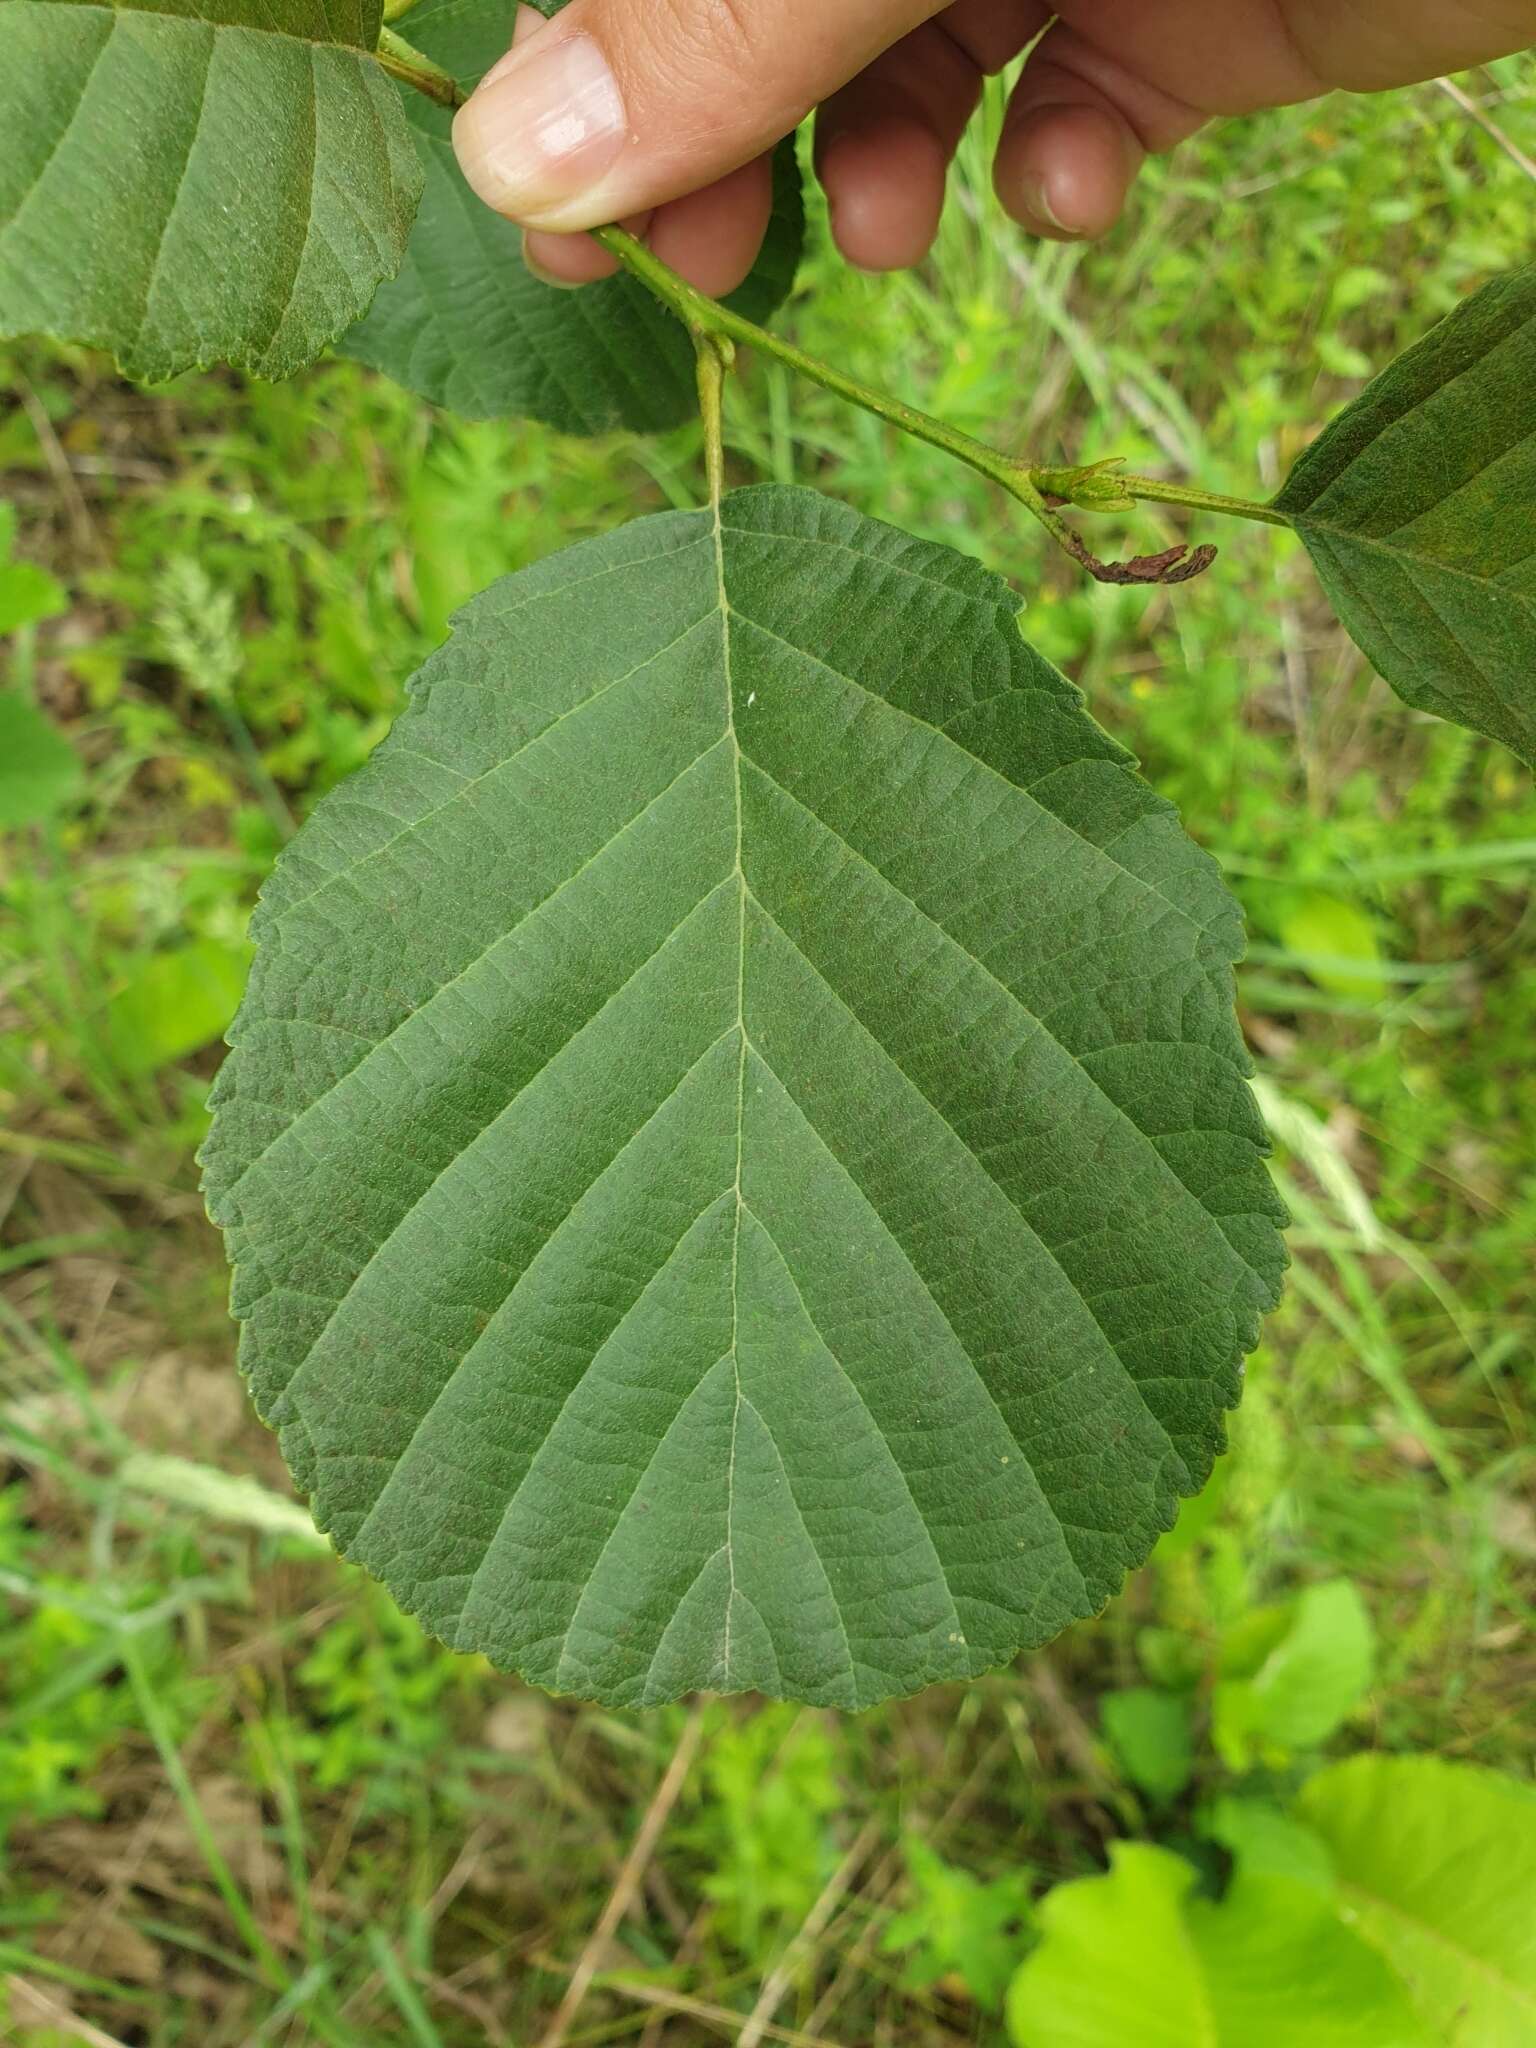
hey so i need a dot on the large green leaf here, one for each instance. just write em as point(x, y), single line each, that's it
point(198, 181)
point(1136, 1960)
point(736, 1154)
point(466, 325)
point(1437, 1863)
point(1417, 507)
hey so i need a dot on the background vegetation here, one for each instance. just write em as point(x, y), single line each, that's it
point(242, 1800)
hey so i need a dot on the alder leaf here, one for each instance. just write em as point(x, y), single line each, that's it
point(1416, 504)
point(736, 1154)
point(210, 181)
point(466, 325)
point(1437, 1864)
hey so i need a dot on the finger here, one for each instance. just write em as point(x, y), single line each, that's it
point(710, 237)
point(883, 146)
point(884, 143)
point(576, 259)
point(713, 236)
point(620, 105)
point(1077, 131)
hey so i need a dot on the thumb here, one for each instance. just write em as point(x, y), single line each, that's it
point(619, 105)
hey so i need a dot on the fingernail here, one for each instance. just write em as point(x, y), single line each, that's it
point(541, 129)
point(1045, 211)
point(1040, 206)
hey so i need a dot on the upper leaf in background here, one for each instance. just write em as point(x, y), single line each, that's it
point(209, 181)
point(466, 325)
point(1137, 1958)
point(737, 1154)
point(39, 770)
point(1310, 1666)
point(1418, 505)
point(1437, 1865)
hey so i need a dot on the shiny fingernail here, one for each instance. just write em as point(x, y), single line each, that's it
point(542, 128)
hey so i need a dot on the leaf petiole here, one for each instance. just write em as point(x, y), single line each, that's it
point(403, 61)
point(713, 357)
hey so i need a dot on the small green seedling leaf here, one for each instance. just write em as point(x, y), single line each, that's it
point(468, 325)
point(187, 182)
point(1137, 1956)
point(1152, 1735)
point(737, 1153)
point(39, 770)
point(174, 1003)
point(1437, 1863)
point(27, 593)
point(1416, 504)
point(959, 1926)
point(1336, 943)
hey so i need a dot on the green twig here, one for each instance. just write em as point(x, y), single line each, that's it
point(1157, 492)
point(715, 327)
point(707, 317)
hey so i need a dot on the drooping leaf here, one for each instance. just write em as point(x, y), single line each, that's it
point(736, 1154)
point(186, 182)
point(1137, 1957)
point(468, 326)
point(1437, 1862)
point(39, 770)
point(1416, 506)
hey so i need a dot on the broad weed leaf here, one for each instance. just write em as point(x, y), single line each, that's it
point(467, 325)
point(1418, 505)
point(226, 181)
point(1137, 1957)
point(736, 1153)
point(1437, 1862)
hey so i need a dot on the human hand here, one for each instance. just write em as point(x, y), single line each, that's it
point(664, 113)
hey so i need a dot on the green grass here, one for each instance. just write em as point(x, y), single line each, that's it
point(243, 1800)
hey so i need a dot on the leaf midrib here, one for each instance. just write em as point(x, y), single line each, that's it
point(723, 600)
point(1517, 1993)
point(1411, 557)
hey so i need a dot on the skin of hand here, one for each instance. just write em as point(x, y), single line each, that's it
point(664, 113)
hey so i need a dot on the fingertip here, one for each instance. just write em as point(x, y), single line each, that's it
point(1064, 171)
point(884, 182)
point(566, 261)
